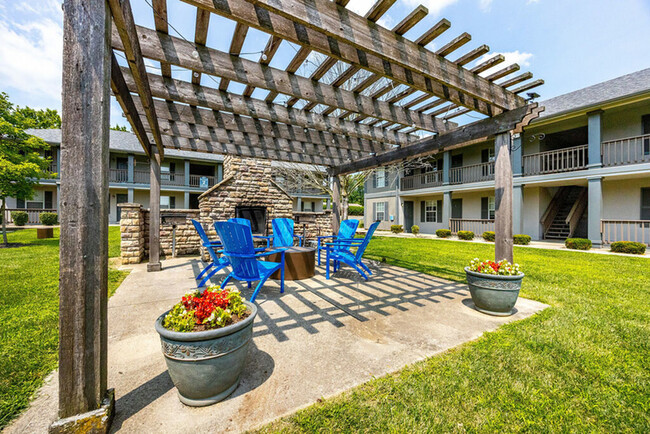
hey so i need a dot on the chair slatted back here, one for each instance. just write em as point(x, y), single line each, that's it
point(238, 238)
point(348, 228)
point(282, 232)
point(366, 240)
point(205, 240)
point(241, 221)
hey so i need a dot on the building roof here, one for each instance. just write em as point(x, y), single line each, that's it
point(122, 141)
point(607, 91)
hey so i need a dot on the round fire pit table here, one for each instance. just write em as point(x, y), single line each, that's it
point(298, 263)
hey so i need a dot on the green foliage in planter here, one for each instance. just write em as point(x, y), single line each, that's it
point(578, 243)
point(488, 235)
point(355, 210)
point(415, 229)
point(628, 247)
point(49, 218)
point(396, 229)
point(443, 233)
point(20, 218)
point(465, 235)
point(521, 239)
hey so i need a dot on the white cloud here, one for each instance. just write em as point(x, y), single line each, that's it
point(485, 5)
point(522, 59)
point(434, 6)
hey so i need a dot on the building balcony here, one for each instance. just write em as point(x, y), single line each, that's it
point(430, 179)
point(557, 161)
point(121, 176)
point(472, 173)
point(629, 150)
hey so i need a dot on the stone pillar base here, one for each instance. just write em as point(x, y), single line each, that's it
point(154, 266)
point(96, 421)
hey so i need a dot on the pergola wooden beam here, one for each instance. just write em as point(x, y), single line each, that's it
point(126, 29)
point(200, 36)
point(506, 121)
point(160, 21)
point(236, 44)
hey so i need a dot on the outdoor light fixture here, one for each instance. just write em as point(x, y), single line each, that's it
point(532, 96)
point(372, 154)
point(397, 146)
point(196, 74)
point(264, 56)
point(195, 54)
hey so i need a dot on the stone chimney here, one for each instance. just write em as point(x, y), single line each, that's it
point(247, 168)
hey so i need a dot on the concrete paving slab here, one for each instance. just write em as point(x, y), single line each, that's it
point(318, 339)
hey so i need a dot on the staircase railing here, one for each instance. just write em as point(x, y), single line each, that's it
point(552, 210)
point(576, 212)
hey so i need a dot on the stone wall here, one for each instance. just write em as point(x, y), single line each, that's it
point(132, 230)
point(316, 224)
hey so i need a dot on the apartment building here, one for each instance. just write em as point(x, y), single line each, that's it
point(185, 176)
point(582, 169)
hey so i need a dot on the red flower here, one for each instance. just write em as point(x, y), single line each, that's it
point(204, 304)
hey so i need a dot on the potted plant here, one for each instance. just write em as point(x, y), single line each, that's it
point(494, 286)
point(205, 341)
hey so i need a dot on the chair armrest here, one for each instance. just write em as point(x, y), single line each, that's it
point(279, 250)
point(299, 239)
point(344, 243)
point(325, 236)
point(266, 238)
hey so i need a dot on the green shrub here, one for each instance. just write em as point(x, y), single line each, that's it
point(360, 225)
point(465, 235)
point(49, 218)
point(355, 210)
point(20, 218)
point(396, 229)
point(488, 235)
point(578, 243)
point(628, 247)
point(415, 229)
point(443, 233)
point(521, 239)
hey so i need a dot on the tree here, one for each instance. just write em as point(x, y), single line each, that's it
point(118, 127)
point(21, 155)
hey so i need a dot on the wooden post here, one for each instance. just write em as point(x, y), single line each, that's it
point(154, 212)
point(83, 281)
point(503, 198)
point(336, 204)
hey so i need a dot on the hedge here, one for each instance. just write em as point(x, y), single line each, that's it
point(415, 229)
point(443, 233)
point(48, 218)
point(578, 243)
point(396, 229)
point(488, 235)
point(521, 239)
point(465, 235)
point(20, 218)
point(628, 247)
point(355, 210)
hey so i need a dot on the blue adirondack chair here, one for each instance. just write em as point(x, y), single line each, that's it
point(346, 231)
point(211, 246)
point(246, 265)
point(339, 251)
point(283, 233)
point(247, 222)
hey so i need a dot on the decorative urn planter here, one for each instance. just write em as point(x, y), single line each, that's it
point(494, 294)
point(205, 366)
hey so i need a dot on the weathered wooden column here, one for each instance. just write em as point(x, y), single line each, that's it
point(503, 198)
point(154, 212)
point(336, 203)
point(83, 283)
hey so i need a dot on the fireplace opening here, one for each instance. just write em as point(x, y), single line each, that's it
point(256, 215)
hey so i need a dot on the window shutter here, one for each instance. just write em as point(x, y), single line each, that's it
point(645, 120)
point(48, 200)
point(386, 211)
point(439, 211)
point(422, 207)
point(485, 156)
point(374, 180)
point(484, 208)
point(172, 167)
point(645, 204)
point(172, 201)
point(374, 212)
point(302, 206)
point(20, 203)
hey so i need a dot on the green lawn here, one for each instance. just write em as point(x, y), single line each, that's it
point(582, 365)
point(29, 315)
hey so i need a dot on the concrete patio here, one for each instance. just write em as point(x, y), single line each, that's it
point(316, 340)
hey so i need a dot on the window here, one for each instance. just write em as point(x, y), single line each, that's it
point(167, 202)
point(645, 203)
point(430, 211)
point(645, 120)
point(380, 178)
point(307, 206)
point(491, 207)
point(380, 211)
point(487, 208)
point(37, 201)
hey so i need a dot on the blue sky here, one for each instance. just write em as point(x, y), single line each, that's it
point(569, 43)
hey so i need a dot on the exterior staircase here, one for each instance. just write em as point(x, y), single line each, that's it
point(564, 212)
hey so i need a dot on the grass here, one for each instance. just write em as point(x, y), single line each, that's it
point(29, 315)
point(581, 365)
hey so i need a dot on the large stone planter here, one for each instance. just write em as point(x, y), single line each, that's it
point(205, 366)
point(493, 294)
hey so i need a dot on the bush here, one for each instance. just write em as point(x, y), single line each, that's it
point(628, 247)
point(355, 210)
point(396, 229)
point(578, 243)
point(488, 235)
point(49, 218)
point(360, 225)
point(465, 235)
point(20, 218)
point(443, 233)
point(521, 239)
point(415, 229)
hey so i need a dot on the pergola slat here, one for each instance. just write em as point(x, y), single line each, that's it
point(200, 35)
point(160, 21)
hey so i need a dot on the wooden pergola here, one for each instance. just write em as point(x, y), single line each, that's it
point(351, 123)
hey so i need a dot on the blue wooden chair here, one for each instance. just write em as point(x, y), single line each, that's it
point(247, 222)
point(238, 247)
point(346, 232)
point(283, 235)
point(339, 251)
point(211, 246)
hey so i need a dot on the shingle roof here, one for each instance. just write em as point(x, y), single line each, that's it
point(617, 88)
point(123, 141)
